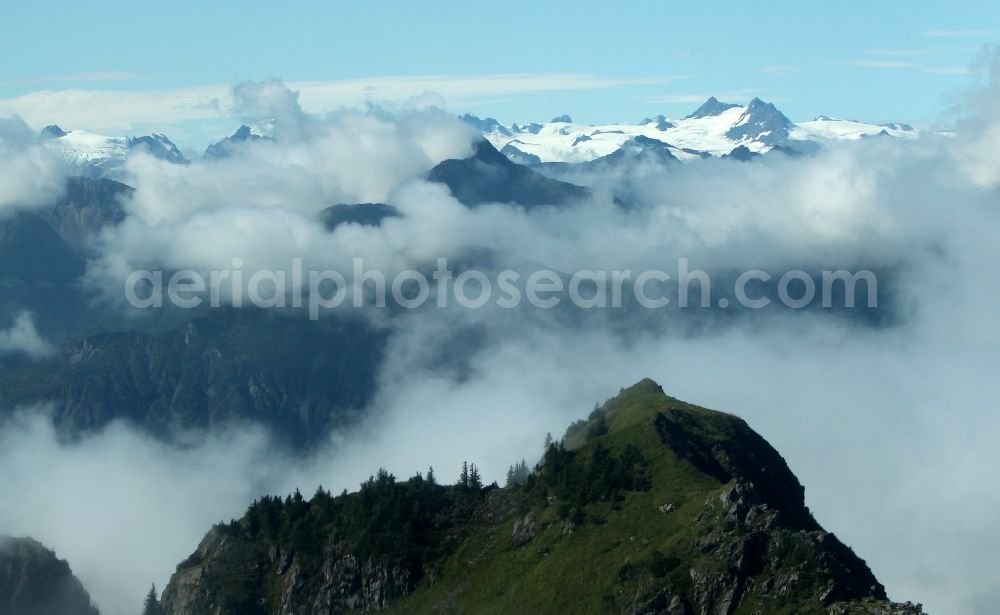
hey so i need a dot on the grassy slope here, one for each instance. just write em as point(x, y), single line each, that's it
point(579, 572)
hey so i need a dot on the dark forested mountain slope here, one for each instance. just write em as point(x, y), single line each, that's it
point(298, 378)
point(33, 581)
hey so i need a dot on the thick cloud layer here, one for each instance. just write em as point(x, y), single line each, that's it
point(888, 427)
point(31, 176)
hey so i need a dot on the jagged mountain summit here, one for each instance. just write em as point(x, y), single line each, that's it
point(761, 122)
point(716, 128)
point(650, 505)
point(711, 108)
point(488, 176)
point(33, 581)
point(97, 156)
point(228, 146)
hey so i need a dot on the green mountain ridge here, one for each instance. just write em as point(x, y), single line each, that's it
point(651, 505)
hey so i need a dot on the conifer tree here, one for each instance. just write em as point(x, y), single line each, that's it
point(463, 479)
point(152, 605)
point(521, 472)
point(475, 480)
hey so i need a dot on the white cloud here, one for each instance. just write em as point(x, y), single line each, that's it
point(882, 64)
point(958, 33)
point(779, 69)
point(23, 337)
point(902, 53)
point(31, 175)
point(120, 110)
point(82, 77)
point(952, 70)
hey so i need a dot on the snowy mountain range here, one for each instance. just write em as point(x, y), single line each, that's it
point(714, 129)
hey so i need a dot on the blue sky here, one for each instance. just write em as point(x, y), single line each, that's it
point(597, 61)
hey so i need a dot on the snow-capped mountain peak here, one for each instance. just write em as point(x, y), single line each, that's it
point(93, 155)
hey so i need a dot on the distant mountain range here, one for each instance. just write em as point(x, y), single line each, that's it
point(714, 129)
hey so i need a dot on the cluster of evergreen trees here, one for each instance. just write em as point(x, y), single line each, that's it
point(470, 479)
point(594, 426)
point(576, 479)
point(517, 474)
point(394, 523)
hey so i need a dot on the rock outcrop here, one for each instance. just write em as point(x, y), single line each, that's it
point(336, 582)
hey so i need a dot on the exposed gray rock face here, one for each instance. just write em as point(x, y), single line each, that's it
point(518, 157)
point(348, 584)
point(710, 108)
point(490, 177)
point(662, 123)
point(231, 144)
point(745, 549)
point(524, 530)
point(159, 146)
point(33, 581)
point(761, 122)
point(486, 125)
point(756, 525)
point(87, 207)
point(52, 131)
point(636, 151)
point(345, 583)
